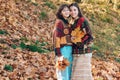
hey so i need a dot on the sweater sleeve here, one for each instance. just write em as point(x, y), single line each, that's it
point(88, 36)
point(57, 37)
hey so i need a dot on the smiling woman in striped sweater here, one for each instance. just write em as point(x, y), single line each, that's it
point(62, 43)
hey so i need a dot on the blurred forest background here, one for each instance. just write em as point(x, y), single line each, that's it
point(26, 49)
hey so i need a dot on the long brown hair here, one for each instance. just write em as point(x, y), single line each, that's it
point(79, 11)
point(58, 14)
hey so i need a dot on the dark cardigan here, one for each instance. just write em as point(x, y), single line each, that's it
point(79, 47)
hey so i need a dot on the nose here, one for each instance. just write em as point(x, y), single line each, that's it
point(71, 12)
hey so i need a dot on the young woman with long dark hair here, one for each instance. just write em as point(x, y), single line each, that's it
point(81, 38)
point(62, 43)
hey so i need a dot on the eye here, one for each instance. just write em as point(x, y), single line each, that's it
point(74, 9)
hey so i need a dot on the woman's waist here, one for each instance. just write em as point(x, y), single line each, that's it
point(82, 50)
point(67, 44)
point(65, 40)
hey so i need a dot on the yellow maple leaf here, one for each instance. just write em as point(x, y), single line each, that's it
point(78, 34)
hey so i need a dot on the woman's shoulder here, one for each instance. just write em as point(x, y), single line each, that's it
point(58, 23)
point(82, 19)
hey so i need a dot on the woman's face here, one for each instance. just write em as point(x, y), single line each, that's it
point(74, 11)
point(65, 12)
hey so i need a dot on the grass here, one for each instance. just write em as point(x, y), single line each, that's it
point(101, 55)
point(35, 4)
point(4, 52)
point(24, 39)
point(8, 68)
point(33, 46)
point(43, 15)
point(118, 39)
point(117, 28)
point(36, 48)
point(94, 47)
point(117, 60)
point(2, 41)
point(106, 19)
point(23, 45)
point(3, 32)
point(14, 46)
point(50, 4)
point(92, 18)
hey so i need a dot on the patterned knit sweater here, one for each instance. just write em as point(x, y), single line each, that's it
point(61, 35)
point(86, 38)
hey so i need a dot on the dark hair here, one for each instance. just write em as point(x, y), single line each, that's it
point(58, 14)
point(79, 11)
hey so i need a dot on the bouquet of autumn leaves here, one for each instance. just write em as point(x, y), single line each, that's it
point(77, 34)
point(62, 63)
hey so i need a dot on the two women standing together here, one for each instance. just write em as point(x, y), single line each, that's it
point(72, 38)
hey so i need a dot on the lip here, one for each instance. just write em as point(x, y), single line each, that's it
point(73, 14)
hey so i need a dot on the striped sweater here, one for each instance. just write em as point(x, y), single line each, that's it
point(61, 35)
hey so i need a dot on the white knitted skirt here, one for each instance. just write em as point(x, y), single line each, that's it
point(81, 69)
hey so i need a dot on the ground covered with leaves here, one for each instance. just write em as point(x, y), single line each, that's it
point(26, 51)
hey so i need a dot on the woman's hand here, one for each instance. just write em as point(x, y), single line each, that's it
point(60, 58)
point(59, 55)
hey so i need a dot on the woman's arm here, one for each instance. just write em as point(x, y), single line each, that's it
point(57, 37)
point(88, 35)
